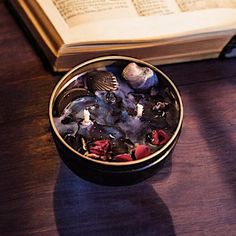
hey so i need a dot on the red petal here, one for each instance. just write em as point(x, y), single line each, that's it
point(162, 134)
point(123, 157)
point(142, 151)
point(155, 138)
point(102, 143)
point(96, 150)
point(100, 147)
point(159, 137)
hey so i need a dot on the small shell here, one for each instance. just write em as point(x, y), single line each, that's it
point(139, 77)
point(101, 81)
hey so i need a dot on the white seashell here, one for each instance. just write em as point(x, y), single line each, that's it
point(137, 76)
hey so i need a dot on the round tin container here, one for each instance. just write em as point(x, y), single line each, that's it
point(104, 172)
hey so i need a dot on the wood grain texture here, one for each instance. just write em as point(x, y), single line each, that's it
point(194, 193)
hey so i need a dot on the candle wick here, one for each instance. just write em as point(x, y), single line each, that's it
point(139, 110)
point(86, 121)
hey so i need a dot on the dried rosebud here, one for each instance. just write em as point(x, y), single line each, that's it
point(100, 148)
point(159, 137)
point(142, 151)
point(123, 157)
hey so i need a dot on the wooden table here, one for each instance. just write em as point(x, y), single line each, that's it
point(194, 194)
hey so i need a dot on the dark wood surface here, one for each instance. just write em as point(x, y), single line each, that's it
point(193, 194)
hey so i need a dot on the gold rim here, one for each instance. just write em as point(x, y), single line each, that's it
point(106, 58)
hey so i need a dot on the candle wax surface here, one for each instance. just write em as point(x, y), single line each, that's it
point(115, 133)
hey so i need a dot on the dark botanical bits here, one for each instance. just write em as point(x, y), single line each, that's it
point(160, 109)
point(160, 106)
point(119, 147)
point(67, 120)
point(110, 98)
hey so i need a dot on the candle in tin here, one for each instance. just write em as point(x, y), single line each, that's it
point(115, 118)
point(110, 109)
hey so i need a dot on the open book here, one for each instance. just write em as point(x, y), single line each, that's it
point(163, 31)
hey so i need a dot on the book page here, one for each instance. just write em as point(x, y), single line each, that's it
point(93, 28)
point(79, 11)
point(153, 7)
point(76, 12)
point(193, 5)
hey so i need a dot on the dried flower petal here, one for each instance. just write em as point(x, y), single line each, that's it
point(159, 137)
point(142, 151)
point(100, 148)
point(123, 157)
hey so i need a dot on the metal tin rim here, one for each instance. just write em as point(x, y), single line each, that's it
point(105, 58)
